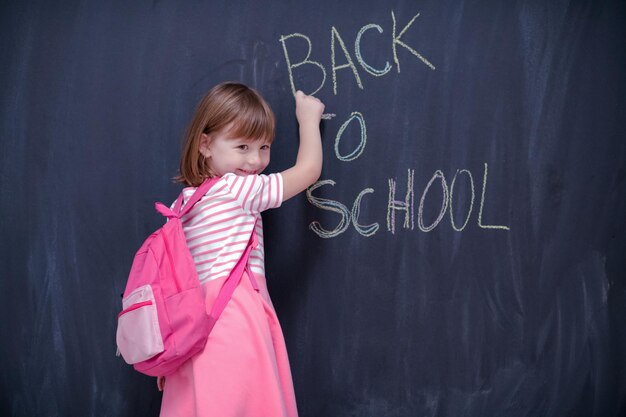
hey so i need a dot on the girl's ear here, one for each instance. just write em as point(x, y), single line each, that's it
point(204, 145)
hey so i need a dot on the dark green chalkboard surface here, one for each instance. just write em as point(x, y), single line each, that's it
point(463, 254)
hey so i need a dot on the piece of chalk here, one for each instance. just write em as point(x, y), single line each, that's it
point(328, 116)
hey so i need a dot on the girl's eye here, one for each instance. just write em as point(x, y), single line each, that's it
point(243, 147)
point(265, 147)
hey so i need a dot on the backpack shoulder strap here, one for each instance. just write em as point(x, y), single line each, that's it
point(228, 287)
point(197, 195)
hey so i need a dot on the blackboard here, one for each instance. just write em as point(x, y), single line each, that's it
point(462, 255)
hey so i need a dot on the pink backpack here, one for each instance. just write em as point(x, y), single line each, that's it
point(163, 320)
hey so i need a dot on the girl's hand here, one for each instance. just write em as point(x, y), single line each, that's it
point(160, 382)
point(309, 109)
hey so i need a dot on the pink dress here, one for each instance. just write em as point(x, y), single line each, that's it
point(244, 368)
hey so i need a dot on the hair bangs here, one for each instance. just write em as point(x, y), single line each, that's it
point(254, 121)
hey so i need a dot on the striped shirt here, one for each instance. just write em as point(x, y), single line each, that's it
point(219, 226)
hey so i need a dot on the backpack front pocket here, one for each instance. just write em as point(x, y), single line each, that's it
point(138, 333)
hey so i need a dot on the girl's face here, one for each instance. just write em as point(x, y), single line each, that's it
point(225, 154)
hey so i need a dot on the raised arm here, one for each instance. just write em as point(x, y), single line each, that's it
point(308, 166)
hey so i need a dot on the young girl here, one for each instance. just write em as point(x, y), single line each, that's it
point(243, 370)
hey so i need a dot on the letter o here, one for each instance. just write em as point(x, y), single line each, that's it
point(471, 203)
point(444, 206)
point(359, 149)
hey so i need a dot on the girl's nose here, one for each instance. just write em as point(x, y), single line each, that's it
point(254, 158)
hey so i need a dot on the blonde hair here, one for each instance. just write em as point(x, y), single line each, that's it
point(225, 104)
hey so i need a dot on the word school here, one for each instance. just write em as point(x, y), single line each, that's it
point(406, 206)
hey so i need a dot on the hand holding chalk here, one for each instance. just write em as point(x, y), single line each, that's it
point(309, 109)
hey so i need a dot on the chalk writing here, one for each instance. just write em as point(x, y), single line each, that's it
point(406, 205)
point(305, 61)
point(366, 231)
point(482, 205)
point(363, 138)
point(336, 38)
point(397, 41)
point(357, 52)
point(394, 205)
point(329, 205)
point(347, 217)
point(469, 213)
point(335, 35)
point(444, 202)
point(351, 216)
